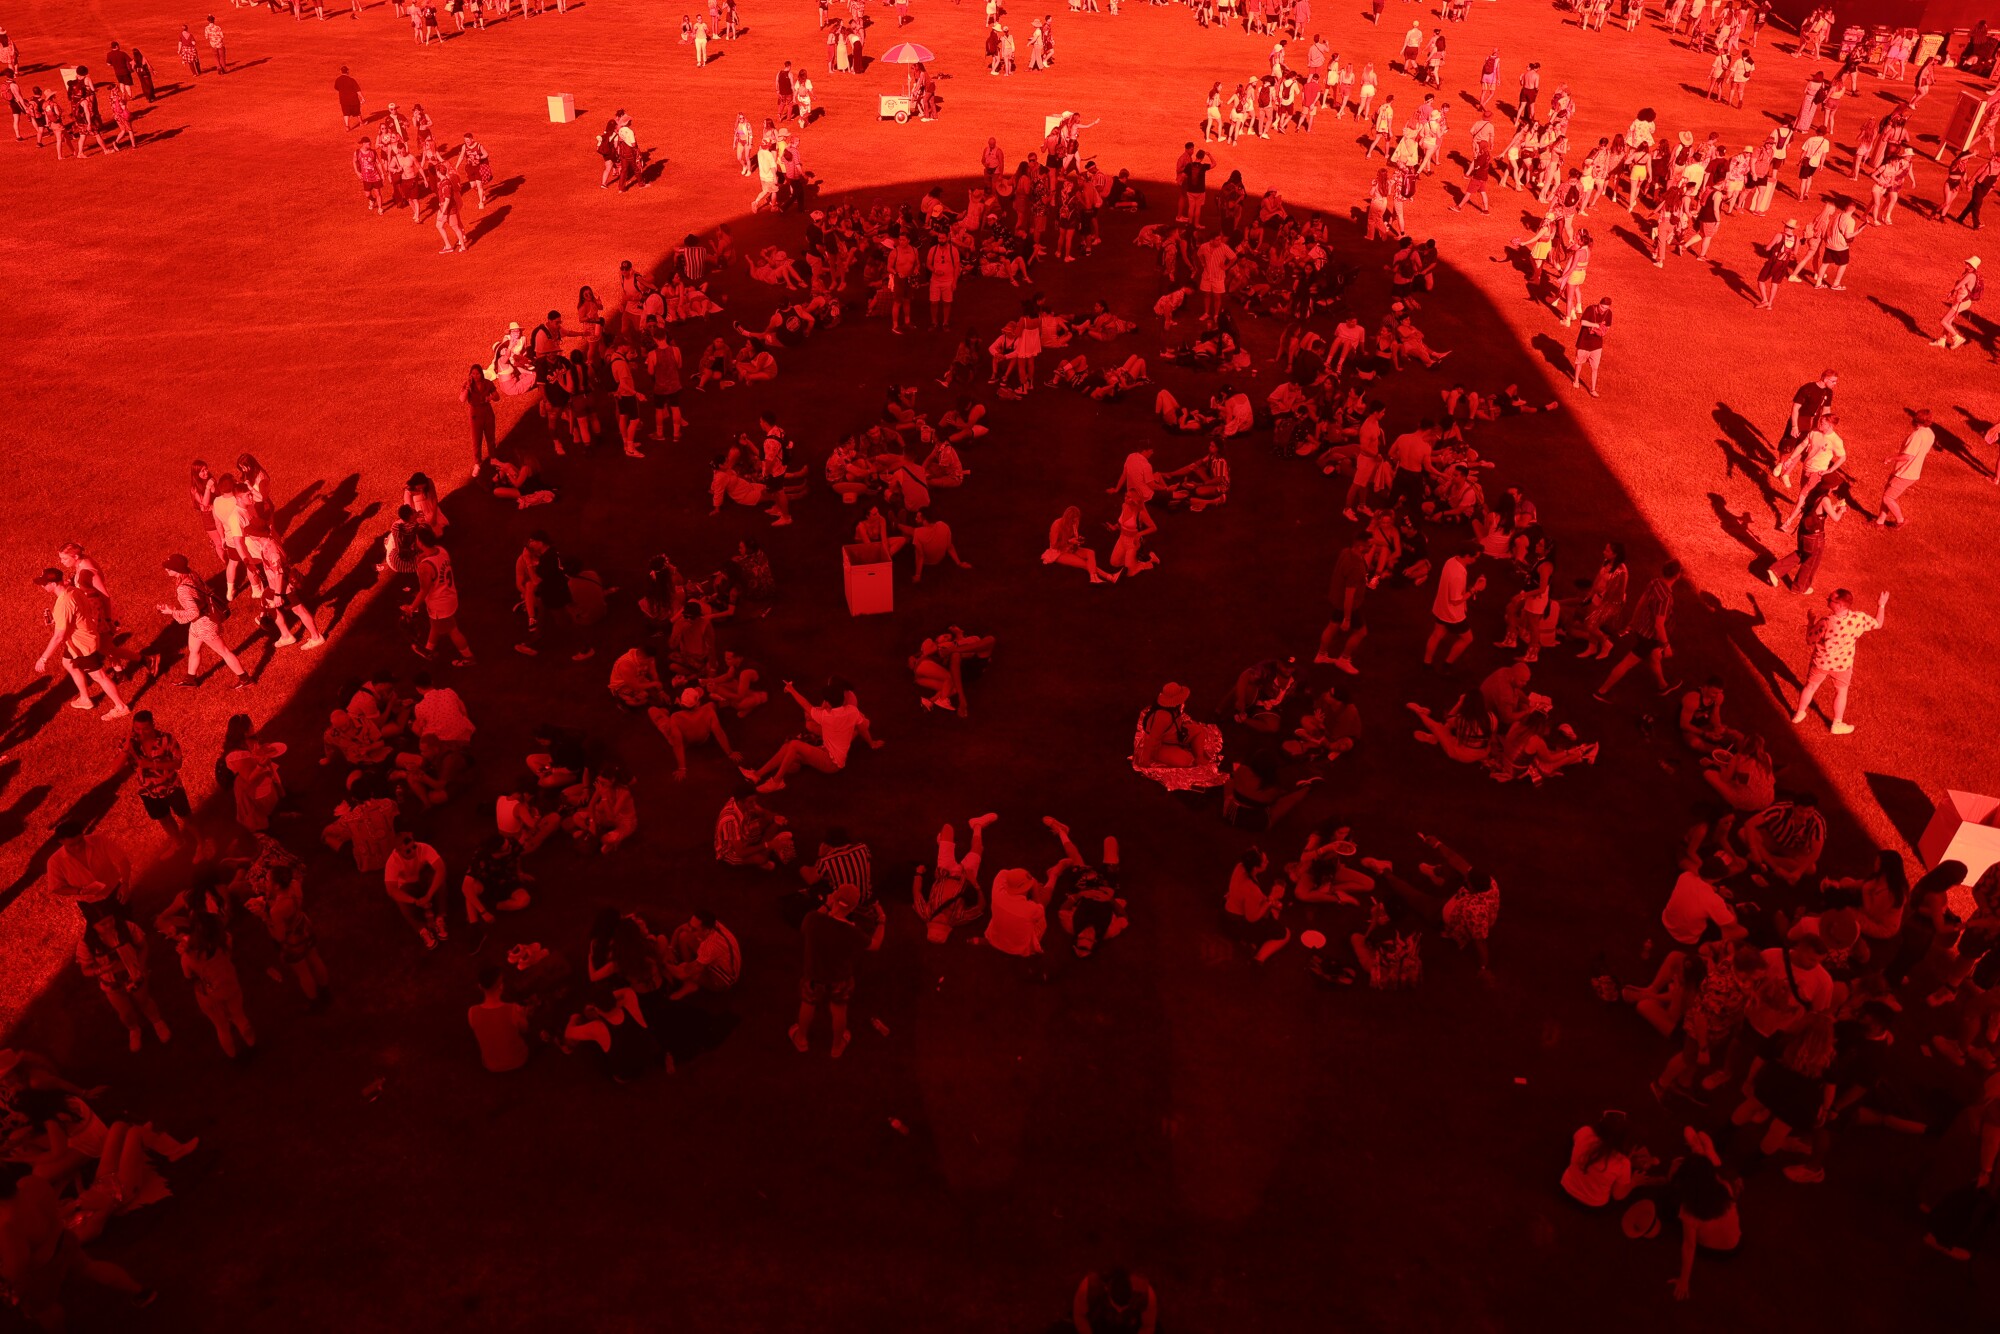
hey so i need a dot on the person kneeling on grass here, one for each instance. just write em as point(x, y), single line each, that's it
point(837, 720)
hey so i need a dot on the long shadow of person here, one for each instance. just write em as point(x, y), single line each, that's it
point(1908, 320)
point(1964, 448)
point(337, 544)
point(494, 217)
point(1741, 628)
point(17, 724)
point(1737, 526)
point(1633, 239)
point(14, 815)
point(302, 544)
point(88, 808)
point(1745, 450)
point(1904, 801)
point(290, 510)
point(1554, 353)
point(1734, 280)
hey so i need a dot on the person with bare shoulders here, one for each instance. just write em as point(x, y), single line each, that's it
point(1066, 547)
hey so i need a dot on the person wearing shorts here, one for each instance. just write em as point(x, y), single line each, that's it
point(232, 518)
point(1349, 589)
point(1449, 609)
point(437, 598)
point(903, 261)
point(1596, 319)
point(78, 637)
point(833, 943)
point(1647, 634)
point(156, 758)
point(943, 261)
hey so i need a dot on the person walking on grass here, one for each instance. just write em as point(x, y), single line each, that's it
point(1833, 638)
point(1449, 608)
point(1965, 292)
point(213, 32)
point(1906, 468)
point(437, 598)
point(833, 943)
point(195, 607)
point(156, 757)
point(210, 967)
point(1593, 324)
point(78, 637)
point(1648, 634)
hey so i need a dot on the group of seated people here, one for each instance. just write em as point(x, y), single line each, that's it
point(1356, 916)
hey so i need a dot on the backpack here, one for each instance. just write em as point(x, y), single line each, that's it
point(205, 602)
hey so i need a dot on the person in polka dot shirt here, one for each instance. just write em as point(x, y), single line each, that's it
point(1833, 638)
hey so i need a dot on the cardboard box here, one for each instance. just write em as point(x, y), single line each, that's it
point(870, 579)
point(1963, 830)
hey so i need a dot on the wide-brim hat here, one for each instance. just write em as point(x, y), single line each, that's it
point(1173, 695)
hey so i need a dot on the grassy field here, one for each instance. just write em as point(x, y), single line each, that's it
point(1268, 1151)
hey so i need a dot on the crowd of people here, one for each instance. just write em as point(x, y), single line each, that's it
point(1800, 1007)
point(401, 164)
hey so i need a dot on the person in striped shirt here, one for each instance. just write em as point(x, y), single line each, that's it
point(693, 260)
point(842, 860)
point(1646, 633)
point(748, 835)
point(703, 955)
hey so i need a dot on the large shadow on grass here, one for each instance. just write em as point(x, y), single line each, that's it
point(1224, 1127)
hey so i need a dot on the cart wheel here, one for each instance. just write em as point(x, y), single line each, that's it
point(902, 118)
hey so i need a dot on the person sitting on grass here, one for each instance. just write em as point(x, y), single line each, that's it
point(607, 816)
point(1203, 483)
point(612, 1029)
point(1066, 547)
point(1464, 734)
point(1252, 905)
point(836, 720)
point(1328, 730)
point(725, 483)
point(746, 834)
point(1323, 874)
point(939, 666)
point(1604, 1165)
point(1524, 750)
point(931, 540)
point(635, 678)
point(1744, 777)
point(1701, 726)
point(354, 742)
point(494, 882)
point(522, 815)
point(953, 897)
point(694, 721)
point(734, 685)
point(755, 365)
